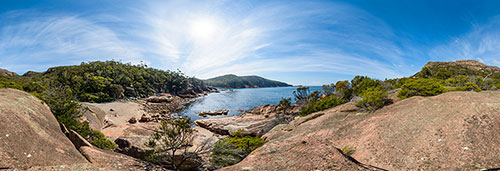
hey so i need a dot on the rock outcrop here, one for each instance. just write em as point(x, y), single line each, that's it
point(256, 122)
point(451, 131)
point(6, 73)
point(30, 135)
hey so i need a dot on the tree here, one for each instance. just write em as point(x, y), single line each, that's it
point(301, 95)
point(343, 90)
point(328, 89)
point(172, 136)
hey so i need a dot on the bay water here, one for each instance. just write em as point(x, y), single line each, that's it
point(238, 100)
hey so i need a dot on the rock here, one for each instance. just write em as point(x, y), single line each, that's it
point(132, 120)
point(122, 143)
point(255, 123)
point(451, 131)
point(94, 115)
point(111, 110)
point(30, 134)
point(145, 118)
point(6, 73)
point(109, 160)
point(212, 113)
point(159, 99)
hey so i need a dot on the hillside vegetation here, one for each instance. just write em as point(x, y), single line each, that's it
point(370, 94)
point(400, 130)
point(233, 81)
point(62, 87)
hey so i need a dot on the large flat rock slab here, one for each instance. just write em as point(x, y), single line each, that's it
point(30, 134)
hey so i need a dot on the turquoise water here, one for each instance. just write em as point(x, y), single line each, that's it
point(239, 99)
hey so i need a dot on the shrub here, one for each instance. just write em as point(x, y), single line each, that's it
point(319, 105)
point(347, 150)
point(421, 87)
point(98, 139)
point(174, 135)
point(301, 95)
point(443, 74)
point(343, 90)
point(361, 83)
point(469, 86)
point(285, 104)
point(328, 89)
point(373, 99)
point(67, 112)
point(232, 150)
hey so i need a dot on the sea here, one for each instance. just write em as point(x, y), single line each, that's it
point(239, 100)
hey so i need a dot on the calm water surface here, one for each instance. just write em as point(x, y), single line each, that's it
point(239, 99)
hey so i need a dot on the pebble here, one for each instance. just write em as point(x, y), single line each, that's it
point(466, 148)
point(7, 135)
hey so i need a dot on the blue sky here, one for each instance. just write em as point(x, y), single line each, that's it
point(299, 42)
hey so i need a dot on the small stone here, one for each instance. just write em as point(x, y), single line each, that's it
point(29, 155)
point(132, 120)
point(439, 140)
point(7, 135)
point(466, 148)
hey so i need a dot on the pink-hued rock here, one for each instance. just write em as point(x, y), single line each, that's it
point(30, 134)
point(451, 131)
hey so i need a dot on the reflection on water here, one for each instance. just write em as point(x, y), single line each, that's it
point(239, 99)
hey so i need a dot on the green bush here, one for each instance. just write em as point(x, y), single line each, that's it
point(67, 112)
point(301, 95)
point(361, 83)
point(347, 150)
point(421, 87)
point(322, 104)
point(232, 150)
point(99, 140)
point(469, 86)
point(373, 99)
point(343, 90)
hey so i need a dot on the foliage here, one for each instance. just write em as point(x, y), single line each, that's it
point(285, 104)
point(301, 95)
point(233, 81)
point(322, 104)
point(469, 86)
point(328, 89)
point(67, 112)
point(347, 150)
point(421, 87)
point(110, 80)
point(373, 99)
point(343, 90)
point(361, 83)
point(172, 136)
point(232, 150)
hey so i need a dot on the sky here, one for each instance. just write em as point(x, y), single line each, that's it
point(299, 42)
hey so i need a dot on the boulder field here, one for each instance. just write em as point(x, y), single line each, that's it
point(451, 131)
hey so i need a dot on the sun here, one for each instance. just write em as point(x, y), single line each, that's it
point(203, 28)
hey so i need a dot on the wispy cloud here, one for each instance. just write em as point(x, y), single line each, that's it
point(269, 38)
point(37, 42)
point(481, 43)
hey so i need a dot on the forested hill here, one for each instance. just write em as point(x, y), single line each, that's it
point(233, 81)
point(105, 81)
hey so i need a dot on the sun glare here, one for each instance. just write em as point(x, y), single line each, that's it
point(203, 28)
